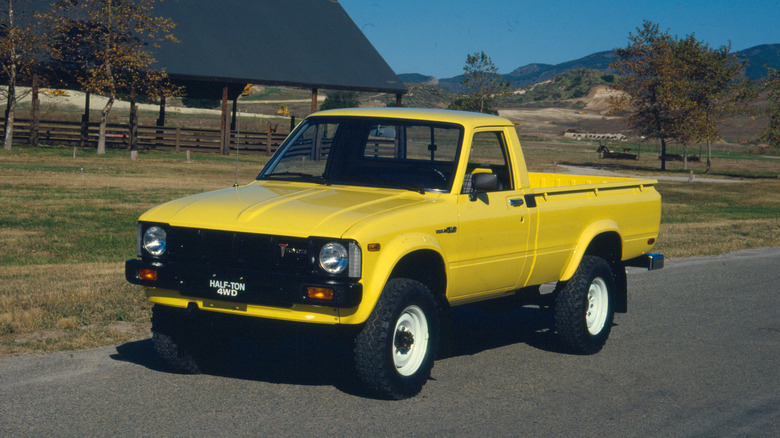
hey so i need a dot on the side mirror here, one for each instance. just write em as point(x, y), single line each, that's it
point(483, 182)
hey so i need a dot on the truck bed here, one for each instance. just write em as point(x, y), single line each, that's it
point(572, 209)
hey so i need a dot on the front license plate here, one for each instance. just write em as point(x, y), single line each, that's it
point(226, 288)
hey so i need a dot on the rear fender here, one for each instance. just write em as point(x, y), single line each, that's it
point(585, 239)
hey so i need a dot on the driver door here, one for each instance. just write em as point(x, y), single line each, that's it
point(493, 226)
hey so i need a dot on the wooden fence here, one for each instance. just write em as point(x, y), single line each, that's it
point(151, 137)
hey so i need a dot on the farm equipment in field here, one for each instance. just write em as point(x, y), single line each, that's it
point(605, 152)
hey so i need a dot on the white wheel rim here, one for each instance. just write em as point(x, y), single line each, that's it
point(410, 341)
point(598, 304)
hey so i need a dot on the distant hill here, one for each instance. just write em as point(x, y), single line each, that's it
point(427, 96)
point(416, 78)
point(757, 58)
point(563, 90)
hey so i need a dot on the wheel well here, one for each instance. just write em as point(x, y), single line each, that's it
point(427, 267)
point(607, 246)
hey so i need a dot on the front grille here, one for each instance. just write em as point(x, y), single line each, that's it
point(199, 247)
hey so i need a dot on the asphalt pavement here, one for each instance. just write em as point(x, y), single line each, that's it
point(697, 355)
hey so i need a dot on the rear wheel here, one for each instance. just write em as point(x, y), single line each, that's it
point(394, 352)
point(584, 306)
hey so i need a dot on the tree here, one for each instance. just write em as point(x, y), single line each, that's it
point(771, 134)
point(485, 85)
point(677, 88)
point(710, 89)
point(646, 67)
point(20, 43)
point(103, 44)
point(341, 99)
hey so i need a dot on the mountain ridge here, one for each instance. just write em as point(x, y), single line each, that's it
point(758, 58)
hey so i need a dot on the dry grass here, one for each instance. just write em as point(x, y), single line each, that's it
point(68, 306)
point(717, 237)
point(67, 225)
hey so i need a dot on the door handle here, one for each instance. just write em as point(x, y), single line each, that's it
point(516, 202)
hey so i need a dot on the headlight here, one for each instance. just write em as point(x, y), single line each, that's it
point(154, 241)
point(334, 258)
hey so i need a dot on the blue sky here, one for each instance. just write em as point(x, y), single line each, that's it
point(433, 37)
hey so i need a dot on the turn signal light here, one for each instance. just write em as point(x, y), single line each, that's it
point(147, 274)
point(320, 293)
point(650, 241)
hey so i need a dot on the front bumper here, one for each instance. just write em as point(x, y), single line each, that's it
point(243, 286)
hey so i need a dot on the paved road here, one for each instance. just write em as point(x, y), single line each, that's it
point(698, 355)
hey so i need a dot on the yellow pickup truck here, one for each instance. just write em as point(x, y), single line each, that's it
point(377, 222)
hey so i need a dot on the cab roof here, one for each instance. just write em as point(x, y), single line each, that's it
point(464, 118)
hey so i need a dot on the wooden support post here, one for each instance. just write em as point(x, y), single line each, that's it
point(161, 116)
point(161, 122)
point(233, 116)
point(398, 103)
point(133, 134)
point(224, 144)
point(268, 140)
point(314, 100)
point(85, 123)
point(178, 139)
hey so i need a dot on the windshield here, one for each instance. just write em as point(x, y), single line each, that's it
point(408, 154)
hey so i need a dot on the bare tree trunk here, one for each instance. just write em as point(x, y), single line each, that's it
point(685, 157)
point(709, 155)
point(101, 147)
point(663, 153)
point(10, 110)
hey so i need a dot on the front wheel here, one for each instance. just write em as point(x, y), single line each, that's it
point(584, 307)
point(187, 344)
point(394, 352)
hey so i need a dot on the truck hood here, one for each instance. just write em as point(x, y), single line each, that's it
point(283, 208)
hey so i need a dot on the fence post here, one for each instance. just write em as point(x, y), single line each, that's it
point(178, 138)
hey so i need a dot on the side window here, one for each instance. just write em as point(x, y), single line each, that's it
point(488, 155)
point(309, 151)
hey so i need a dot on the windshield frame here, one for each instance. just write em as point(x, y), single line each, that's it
point(328, 177)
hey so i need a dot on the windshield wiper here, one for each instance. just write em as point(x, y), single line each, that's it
point(305, 176)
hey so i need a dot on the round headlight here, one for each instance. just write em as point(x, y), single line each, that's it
point(154, 241)
point(334, 258)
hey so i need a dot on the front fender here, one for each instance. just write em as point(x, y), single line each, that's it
point(377, 267)
point(584, 240)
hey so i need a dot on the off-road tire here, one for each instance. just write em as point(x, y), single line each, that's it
point(394, 352)
point(187, 344)
point(583, 320)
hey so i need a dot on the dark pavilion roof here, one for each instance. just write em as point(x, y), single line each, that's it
point(304, 43)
